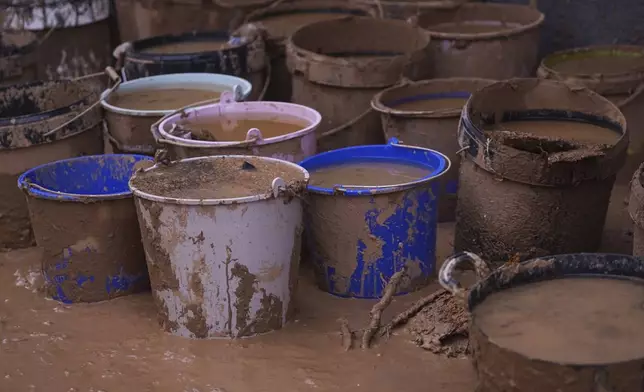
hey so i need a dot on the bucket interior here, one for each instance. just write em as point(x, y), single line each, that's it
point(431, 162)
point(476, 19)
point(600, 60)
point(431, 101)
point(184, 46)
point(96, 175)
point(360, 37)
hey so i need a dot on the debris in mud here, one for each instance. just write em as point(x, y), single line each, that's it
point(31, 279)
point(378, 308)
point(248, 166)
point(347, 335)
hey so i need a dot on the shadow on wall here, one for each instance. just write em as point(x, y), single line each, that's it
point(574, 23)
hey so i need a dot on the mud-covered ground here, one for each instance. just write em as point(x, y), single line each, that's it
point(118, 346)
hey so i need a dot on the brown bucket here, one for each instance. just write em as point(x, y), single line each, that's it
point(483, 40)
point(636, 211)
point(426, 114)
point(617, 73)
point(339, 65)
point(139, 19)
point(75, 38)
point(281, 21)
point(387, 9)
point(18, 62)
point(27, 113)
point(524, 188)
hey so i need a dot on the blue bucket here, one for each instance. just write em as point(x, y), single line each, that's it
point(358, 237)
point(83, 216)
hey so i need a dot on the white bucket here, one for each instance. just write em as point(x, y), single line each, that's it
point(129, 130)
point(292, 147)
point(221, 267)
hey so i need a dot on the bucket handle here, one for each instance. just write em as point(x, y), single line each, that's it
point(117, 82)
point(144, 149)
point(345, 125)
point(638, 91)
point(446, 278)
point(278, 186)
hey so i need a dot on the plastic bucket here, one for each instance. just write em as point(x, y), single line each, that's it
point(27, 113)
point(426, 114)
point(483, 40)
point(83, 217)
point(293, 146)
point(222, 239)
point(128, 130)
point(403, 9)
point(358, 237)
point(18, 57)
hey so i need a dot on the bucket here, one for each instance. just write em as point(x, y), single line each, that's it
point(564, 323)
point(199, 52)
point(271, 129)
point(483, 40)
point(636, 211)
point(139, 19)
point(405, 9)
point(617, 73)
point(74, 35)
point(540, 159)
point(128, 126)
point(222, 241)
point(281, 21)
point(27, 113)
point(83, 217)
point(359, 236)
point(426, 114)
point(17, 57)
point(339, 77)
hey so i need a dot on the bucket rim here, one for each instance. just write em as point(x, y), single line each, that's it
point(591, 51)
point(172, 79)
point(355, 190)
point(213, 202)
point(48, 194)
point(178, 141)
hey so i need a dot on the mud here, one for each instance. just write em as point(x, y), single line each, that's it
point(188, 47)
point(636, 211)
point(17, 58)
point(485, 40)
point(224, 178)
point(161, 99)
point(563, 130)
point(431, 104)
point(235, 128)
point(366, 174)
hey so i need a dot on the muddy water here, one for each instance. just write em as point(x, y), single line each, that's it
point(565, 130)
point(573, 320)
point(432, 104)
point(161, 99)
point(188, 47)
point(473, 27)
point(236, 128)
point(600, 65)
point(366, 174)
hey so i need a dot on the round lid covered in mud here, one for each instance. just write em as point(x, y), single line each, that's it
point(219, 180)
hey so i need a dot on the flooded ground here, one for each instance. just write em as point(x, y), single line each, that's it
point(118, 346)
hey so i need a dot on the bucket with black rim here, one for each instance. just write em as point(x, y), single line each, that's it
point(483, 40)
point(281, 21)
point(41, 122)
point(199, 52)
point(617, 73)
point(75, 34)
point(426, 114)
point(18, 61)
point(540, 159)
point(338, 77)
point(566, 323)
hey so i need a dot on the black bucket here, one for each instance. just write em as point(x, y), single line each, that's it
point(503, 366)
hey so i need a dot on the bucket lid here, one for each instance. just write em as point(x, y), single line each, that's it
point(393, 151)
point(214, 180)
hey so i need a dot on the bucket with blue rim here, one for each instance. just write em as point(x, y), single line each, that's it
point(359, 236)
point(83, 216)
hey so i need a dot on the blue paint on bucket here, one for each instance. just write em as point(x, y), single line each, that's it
point(406, 236)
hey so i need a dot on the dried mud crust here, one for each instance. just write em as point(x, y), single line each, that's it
point(217, 178)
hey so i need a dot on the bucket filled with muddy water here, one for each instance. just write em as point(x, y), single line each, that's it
point(222, 237)
point(216, 52)
point(281, 21)
point(483, 40)
point(617, 73)
point(28, 113)
point(83, 217)
point(339, 76)
point(371, 212)
point(426, 114)
point(565, 323)
point(18, 59)
point(272, 129)
point(540, 160)
point(136, 105)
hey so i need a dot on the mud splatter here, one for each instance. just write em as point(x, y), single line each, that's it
point(244, 295)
